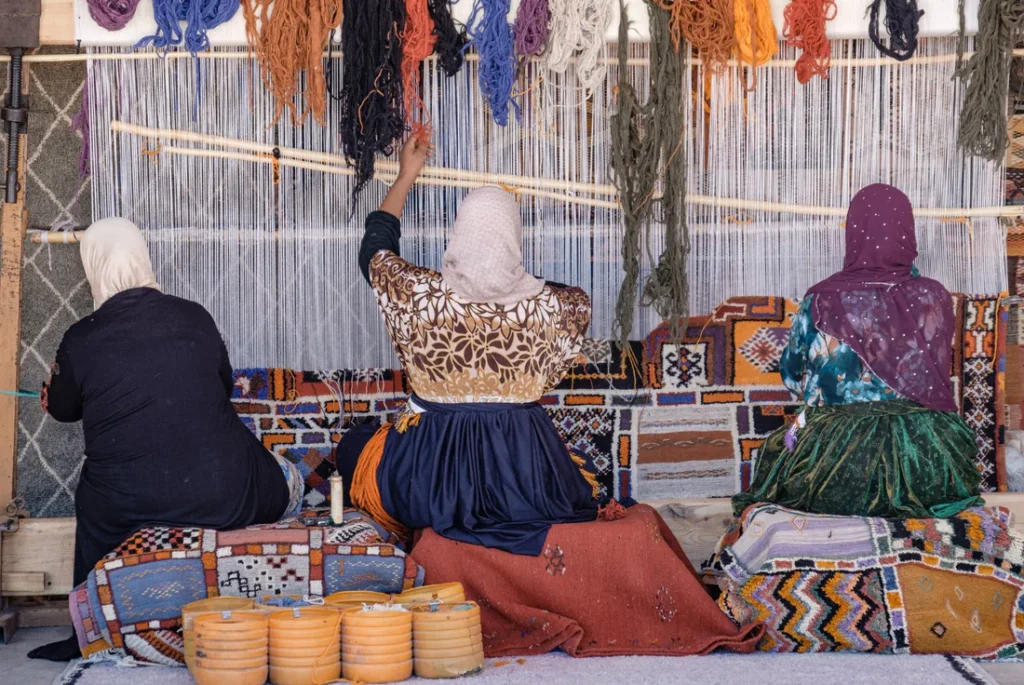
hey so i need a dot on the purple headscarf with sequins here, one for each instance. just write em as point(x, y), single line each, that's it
point(899, 324)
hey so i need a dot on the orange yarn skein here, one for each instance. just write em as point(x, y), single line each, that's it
point(418, 42)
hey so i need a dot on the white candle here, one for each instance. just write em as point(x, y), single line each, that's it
point(337, 499)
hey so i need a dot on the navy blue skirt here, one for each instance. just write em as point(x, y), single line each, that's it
point(496, 475)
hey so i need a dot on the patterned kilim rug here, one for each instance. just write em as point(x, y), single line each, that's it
point(724, 669)
point(669, 426)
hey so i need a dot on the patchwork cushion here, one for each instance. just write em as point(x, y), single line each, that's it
point(132, 600)
point(917, 586)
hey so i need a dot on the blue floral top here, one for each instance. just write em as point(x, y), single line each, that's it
point(823, 371)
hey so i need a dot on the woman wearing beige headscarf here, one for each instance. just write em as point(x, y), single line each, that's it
point(148, 376)
point(474, 455)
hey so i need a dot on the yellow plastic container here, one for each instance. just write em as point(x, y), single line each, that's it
point(378, 673)
point(211, 604)
point(252, 676)
point(304, 646)
point(448, 667)
point(230, 648)
point(344, 600)
point(307, 675)
point(447, 640)
point(447, 593)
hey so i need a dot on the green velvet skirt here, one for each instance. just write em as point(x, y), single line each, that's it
point(892, 459)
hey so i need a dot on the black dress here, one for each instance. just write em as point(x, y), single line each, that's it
point(149, 377)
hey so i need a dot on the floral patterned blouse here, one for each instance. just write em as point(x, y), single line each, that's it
point(456, 351)
point(823, 371)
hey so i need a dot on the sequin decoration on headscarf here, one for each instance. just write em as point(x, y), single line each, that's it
point(484, 259)
point(899, 324)
point(115, 258)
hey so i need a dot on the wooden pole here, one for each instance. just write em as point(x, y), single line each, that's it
point(12, 241)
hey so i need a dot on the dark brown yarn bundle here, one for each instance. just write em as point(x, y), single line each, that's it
point(288, 38)
point(902, 19)
point(647, 138)
point(451, 38)
point(983, 118)
point(372, 115)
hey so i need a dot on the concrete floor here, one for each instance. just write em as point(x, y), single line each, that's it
point(17, 669)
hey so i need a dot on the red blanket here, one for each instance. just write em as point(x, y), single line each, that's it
point(607, 588)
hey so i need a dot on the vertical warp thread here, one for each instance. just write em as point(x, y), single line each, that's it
point(450, 39)
point(491, 35)
point(983, 118)
point(531, 27)
point(288, 38)
point(418, 44)
point(804, 29)
point(113, 15)
point(901, 22)
point(371, 92)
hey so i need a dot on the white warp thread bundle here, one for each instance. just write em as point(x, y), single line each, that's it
point(577, 28)
point(276, 262)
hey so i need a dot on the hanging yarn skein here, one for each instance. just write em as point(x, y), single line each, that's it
point(577, 28)
point(113, 15)
point(804, 29)
point(707, 25)
point(491, 35)
point(756, 42)
point(288, 38)
point(200, 17)
point(983, 118)
point(417, 44)
point(641, 135)
point(531, 28)
point(902, 20)
point(372, 121)
point(450, 39)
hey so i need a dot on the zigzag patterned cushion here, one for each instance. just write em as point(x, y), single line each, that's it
point(132, 600)
point(917, 586)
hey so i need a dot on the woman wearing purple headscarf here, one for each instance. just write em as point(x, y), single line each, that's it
point(870, 354)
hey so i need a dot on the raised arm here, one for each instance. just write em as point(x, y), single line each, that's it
point(383, 228)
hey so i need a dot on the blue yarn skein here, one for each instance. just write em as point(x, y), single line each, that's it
point(200, 17)
point(492, 35)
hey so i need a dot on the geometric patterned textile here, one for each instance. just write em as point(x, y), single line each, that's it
point(917, 586)
point(656, 423)
point(132, 600)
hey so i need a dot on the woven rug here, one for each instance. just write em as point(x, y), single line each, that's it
point(556, 669)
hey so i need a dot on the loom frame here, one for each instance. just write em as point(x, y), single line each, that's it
point(36, 558)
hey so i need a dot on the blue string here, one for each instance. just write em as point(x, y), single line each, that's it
point(200, 17)
point(492, 36)
point(19, 393)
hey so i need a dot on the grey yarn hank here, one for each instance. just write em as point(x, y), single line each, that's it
point(983, 118)
point(645, 137)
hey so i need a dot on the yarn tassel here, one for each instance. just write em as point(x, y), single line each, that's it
point(901, 22)
point(372, 121)
point(418, 44)
point(804, 29)
point(531, 28)
point(491, 35)
point(451, 40)
point(983, 118)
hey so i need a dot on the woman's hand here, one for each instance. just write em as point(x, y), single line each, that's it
point(410, 161)
point(413, 156)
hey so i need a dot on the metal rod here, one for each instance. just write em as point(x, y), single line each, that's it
point(14, 72)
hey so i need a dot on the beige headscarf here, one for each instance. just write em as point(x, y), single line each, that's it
point(484, 259)
point(116, 259)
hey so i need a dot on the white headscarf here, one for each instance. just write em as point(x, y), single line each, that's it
point(116, 259)
point(484, 259)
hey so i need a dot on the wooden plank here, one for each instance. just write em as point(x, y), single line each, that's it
point(28, 584)
point(41, 545)
point(43, 613)
point(13, 223)
point(57, 22)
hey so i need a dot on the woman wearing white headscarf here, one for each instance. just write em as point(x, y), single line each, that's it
point(148, 376)
point(474, 455)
